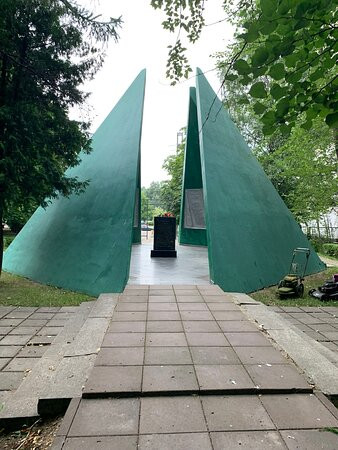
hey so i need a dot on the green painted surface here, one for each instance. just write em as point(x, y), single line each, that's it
point(192, 175)
point(84, 243)
point(251, 232)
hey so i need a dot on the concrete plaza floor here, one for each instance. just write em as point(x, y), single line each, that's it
point(190, 267)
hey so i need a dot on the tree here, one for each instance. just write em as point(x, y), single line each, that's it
point(48, 48)
point(171, 190)
point(154, 193)
point(283, 49)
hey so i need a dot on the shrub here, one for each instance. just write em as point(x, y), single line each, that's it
point(317, 243)
point(8, 240)
point(331, 250)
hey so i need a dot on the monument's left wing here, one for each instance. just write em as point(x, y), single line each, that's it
point(83, 243)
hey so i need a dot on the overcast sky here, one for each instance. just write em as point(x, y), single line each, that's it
point(143, 44)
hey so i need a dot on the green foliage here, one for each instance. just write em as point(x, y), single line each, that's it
point(180, 15)
point(150, 199)
point(331, 250)
point(8, 240)
point(48, 48)
point(284, 50)
point(317, 243)
point(171, 190)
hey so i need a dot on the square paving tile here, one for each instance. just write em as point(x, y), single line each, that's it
point(123, 340)
point(49, 331)
point(192, 307)
point(162, 307)
point(115, 356)
point(35, 323)
point(247, 339)
point(207, 339)
point(237, 412)
point(214, 355)
point(5, 330)
point(225, 306)
point(10, 322)
point(10, 380)
point(4, 362)
point(25, 330)
point(178, 441)
point(201, 326)
point(15, 339)
point(165, 340)
point(129, 316)
point(297, 411)
point(310, 439)
point(231, 326)
point(9, 351)
point(163, 315)
point(251, 440)
point(196, 315)
point(322, 327)
point(232, 377)
point(161, 326)
point(276, 376)
point(169, 378)
point(162, 299)
point(105, 379)
point(106, 417)
point(127, 307)
point(220, 298)
point(133, 298)
point(127, 327)
point(171, 415)
point(189, 298)
point(39, 315)
point(161, 286)
point(186, 292)
point(331, 335)
point(167, 355)
point(21, 364)
point(158, 292)
point(101, 443)
point(229, 315)
point(32, 351)
point(18, 315)
point(260, 355)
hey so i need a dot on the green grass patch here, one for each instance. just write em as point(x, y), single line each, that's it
point(269, 295)
point(19, 291)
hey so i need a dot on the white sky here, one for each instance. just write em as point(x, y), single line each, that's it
point(143, 44)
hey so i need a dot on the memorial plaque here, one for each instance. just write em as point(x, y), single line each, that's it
point(194, 209)
point(164, 237)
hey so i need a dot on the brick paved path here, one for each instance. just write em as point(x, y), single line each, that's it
point(182, 368)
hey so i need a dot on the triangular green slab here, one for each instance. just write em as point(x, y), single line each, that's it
point(251, 233)
point(192, 175)
point(84, 243)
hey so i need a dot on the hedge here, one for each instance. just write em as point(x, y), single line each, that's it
point(331, 250)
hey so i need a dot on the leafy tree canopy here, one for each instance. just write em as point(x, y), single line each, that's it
point(171, 190)
point(48, 48)
point(284, 51)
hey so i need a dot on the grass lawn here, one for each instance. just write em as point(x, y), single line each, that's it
point(270, 297)
point(19, 291)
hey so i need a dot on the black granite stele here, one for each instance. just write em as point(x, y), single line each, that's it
point(164, 237)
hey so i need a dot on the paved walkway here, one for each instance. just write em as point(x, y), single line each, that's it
point(190, 266)
point(182, 367)
point(25, 335)
point(319, 323)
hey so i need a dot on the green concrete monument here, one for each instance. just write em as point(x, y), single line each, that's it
point(192, 221)
point(83, 243)
point(250, 232)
